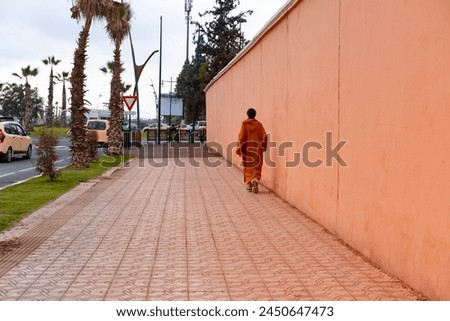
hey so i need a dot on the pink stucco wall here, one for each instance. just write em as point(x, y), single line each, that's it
point(374, 73)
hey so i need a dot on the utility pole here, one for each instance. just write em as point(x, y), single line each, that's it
point(158, 139)
point(187, 9)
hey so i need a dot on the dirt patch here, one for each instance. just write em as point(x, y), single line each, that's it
point(8, 246)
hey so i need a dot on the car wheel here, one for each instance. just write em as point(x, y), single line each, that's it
point(8, 156)
point(29, 152)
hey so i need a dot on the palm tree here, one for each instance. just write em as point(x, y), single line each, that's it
point(63, 77)
point(52, 61)
point(89, 10)
point(26, 73)
point(109, 68)
point(118, 27)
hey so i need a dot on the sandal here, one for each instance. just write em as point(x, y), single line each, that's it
point(255, 187)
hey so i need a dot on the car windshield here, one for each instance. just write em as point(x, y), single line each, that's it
point(96, 125)
point(20, 130)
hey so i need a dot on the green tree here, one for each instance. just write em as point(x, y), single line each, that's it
point(118, 27)
point(89, 10)
point(63, 78)
point(12, 100)
point(26, 73)
point(52, 61)
point(222, 36)
point(218, 42)
point(190, 84)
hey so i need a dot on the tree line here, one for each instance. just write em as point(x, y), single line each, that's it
point(22, 101)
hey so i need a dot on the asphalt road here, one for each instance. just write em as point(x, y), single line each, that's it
point(22, 169)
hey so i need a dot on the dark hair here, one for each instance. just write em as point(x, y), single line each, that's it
point(251, 113)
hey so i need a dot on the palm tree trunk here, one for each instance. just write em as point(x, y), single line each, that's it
point(115, 138)
point(80, 150)
point(64, 106)
point(50, 101)
point(28, 110)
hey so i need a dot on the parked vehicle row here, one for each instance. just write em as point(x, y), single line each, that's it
point(199, 125)
point(154, 126)
point(101, 126)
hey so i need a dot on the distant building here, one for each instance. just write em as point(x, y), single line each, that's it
point(99, 114)
point(171, 105)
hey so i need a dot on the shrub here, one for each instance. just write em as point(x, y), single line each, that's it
point(47, 156)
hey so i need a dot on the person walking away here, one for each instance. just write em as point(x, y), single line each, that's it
point(252, 142)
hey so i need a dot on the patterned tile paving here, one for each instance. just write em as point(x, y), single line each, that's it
point(183, 233)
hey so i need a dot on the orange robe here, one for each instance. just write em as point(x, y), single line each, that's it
point(252, 143)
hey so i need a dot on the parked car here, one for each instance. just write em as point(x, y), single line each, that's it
point(5, 118)
point(184, 127)
point(14, 141)
point(125, 127)
point(100, 126)
point(201, 124)
point(155, 126)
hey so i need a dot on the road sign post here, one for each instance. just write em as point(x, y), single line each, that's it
point(129, 102)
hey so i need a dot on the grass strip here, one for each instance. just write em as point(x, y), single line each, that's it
point(20, 200)
point(57, 131)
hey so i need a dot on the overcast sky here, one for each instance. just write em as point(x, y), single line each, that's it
point(35, 30)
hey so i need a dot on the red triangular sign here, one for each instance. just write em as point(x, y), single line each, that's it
point(129, 101)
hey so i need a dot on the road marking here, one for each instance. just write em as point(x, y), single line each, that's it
point(4, 175)
point(20, 182)
point(62, 160)
point(26, 170)
point(20, 171)
point(59, 147)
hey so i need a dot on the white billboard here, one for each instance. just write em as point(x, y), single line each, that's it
point(171, 105)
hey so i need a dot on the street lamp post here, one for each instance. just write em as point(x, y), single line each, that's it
point(187, 9)
point(56, 111)
point(137, 73)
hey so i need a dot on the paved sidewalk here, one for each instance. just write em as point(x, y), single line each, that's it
point(181, 229)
